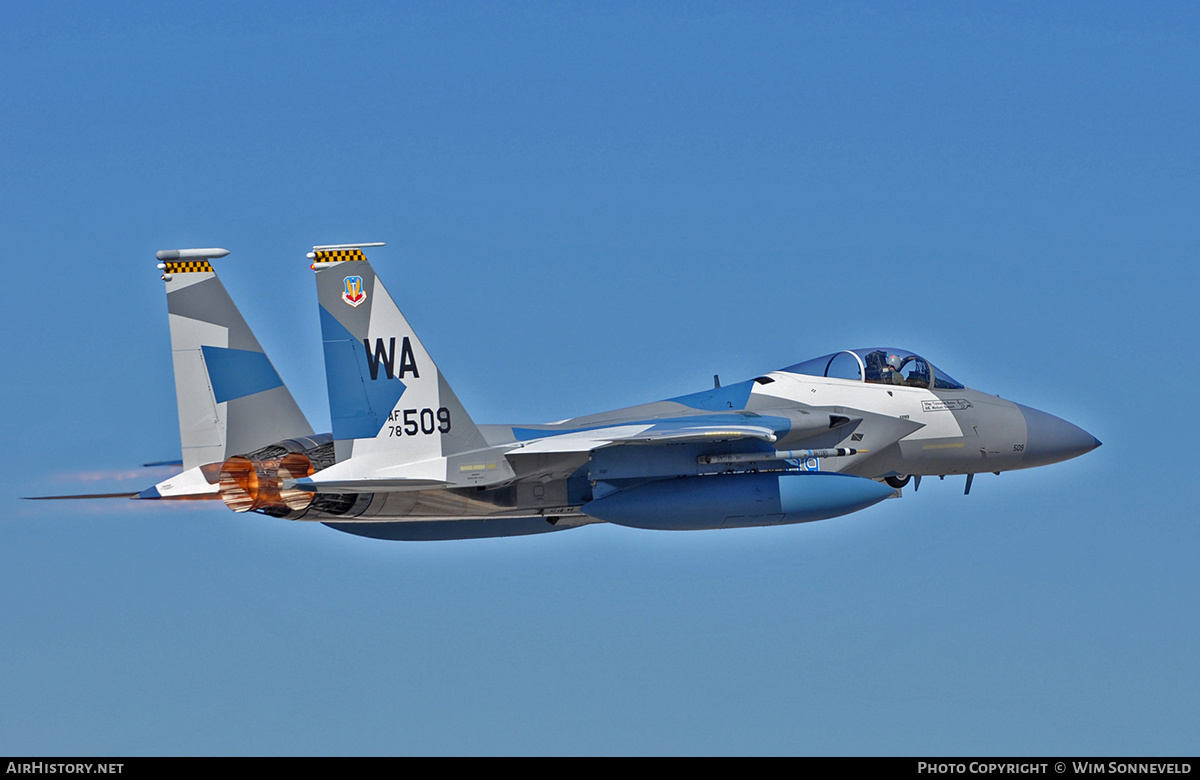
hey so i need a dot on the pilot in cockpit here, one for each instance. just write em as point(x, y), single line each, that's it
point(884, 369)
point(891, 371)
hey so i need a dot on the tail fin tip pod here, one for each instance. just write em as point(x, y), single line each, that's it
point(230, 397)
point(388, 401)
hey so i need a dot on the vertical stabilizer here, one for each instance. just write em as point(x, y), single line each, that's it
point(387, 399)
point(230, 398)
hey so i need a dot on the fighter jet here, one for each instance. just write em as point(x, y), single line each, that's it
point(405, 461)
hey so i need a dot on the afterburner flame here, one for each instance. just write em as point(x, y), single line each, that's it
point(248, 485)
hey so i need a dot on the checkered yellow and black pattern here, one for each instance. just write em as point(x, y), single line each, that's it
point(338, 255)
point(188, 267)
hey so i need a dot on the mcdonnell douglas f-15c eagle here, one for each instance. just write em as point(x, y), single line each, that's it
point(819, 439)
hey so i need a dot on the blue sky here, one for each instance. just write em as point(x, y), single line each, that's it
point(588, 206)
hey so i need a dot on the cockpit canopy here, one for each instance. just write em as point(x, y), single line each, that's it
point(879, 365)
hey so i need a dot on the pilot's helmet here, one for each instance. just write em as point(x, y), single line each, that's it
point(894, 362)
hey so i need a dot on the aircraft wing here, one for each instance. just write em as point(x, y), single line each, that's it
point(662, 432)
point(380, 475)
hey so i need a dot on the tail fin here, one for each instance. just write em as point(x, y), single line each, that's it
point(231, 400)
point(386, 395)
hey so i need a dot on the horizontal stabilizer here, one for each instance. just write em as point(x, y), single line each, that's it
point(365, 485)
point(199, 483)
point(86, 495)
point(380, 474)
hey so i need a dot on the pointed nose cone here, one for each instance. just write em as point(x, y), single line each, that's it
point(1051, 439)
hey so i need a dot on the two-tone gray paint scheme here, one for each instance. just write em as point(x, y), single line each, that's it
point(406, 461)
point(230, 399)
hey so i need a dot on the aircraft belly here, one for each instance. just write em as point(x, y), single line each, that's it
point(448, 530)
point(521, 499)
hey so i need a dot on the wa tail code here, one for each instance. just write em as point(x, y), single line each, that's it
point(387, 357)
